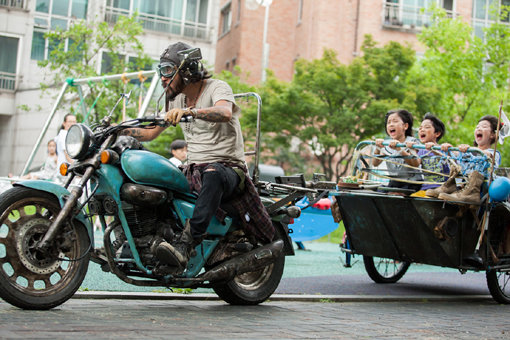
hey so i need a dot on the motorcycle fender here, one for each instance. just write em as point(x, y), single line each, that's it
point(59, 192)
point(288, 248)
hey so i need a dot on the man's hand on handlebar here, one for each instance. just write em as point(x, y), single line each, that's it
point(175, 115)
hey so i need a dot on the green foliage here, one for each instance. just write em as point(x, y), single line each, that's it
point(330, 107)
point(161, 145)
point(461, 77)
point(86, 41)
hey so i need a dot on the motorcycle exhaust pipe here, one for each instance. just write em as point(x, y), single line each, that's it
point(249, 262)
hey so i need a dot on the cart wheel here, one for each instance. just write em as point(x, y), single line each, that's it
point(383, 270)
point(499, 285)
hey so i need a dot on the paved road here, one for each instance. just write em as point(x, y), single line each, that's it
point(427, 284)
point(180, 319)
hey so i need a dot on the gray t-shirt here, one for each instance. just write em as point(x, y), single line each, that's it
point(210, 142)
point(398, 170)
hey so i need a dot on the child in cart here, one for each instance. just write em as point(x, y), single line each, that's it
point(484, 138)
point(399, 126)
point(433, 163)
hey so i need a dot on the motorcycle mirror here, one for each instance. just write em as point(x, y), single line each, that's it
point(127, 96)
point(107, 119)
point(192, 54)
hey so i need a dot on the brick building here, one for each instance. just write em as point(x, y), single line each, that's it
point(303, 28)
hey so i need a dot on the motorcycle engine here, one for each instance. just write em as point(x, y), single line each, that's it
point(149, 217)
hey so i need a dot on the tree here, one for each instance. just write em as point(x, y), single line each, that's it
point(85, 42)
point(462, 77)
point(330, 107)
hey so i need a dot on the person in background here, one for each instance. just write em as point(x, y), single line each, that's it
point(179, 150)
point(60, 139)
point(49, 170)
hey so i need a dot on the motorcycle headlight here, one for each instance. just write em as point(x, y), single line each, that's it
point(78, 140)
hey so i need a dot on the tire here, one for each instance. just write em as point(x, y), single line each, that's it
point(382, 270)
point(255, 287)
point(499, 285)
point(30, 279)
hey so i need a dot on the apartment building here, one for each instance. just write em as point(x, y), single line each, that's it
point(23, 23)
point(258, 34)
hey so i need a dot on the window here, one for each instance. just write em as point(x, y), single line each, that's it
point(226, 18)
point(483, 14)
point(108, 60)
point(180, 17)
point(52, 15)
point(8, 61)
point(408, 13)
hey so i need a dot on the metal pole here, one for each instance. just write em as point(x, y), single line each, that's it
point(265, 45)
point(255, 176)
point(82, 101)
point(148, 97)
point(44, 129)
point(131, 75)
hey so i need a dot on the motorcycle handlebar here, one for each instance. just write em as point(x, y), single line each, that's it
point(159, 121)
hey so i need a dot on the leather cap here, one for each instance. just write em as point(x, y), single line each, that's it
point(170, 53)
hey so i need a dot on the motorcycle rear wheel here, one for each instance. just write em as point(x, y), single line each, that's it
point(30, 279)
point(254, 287)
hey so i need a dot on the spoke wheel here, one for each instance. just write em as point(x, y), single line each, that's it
point(499, 285)
point(29, 278)
point(382, 270)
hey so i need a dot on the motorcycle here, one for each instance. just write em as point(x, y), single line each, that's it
point(140, 198)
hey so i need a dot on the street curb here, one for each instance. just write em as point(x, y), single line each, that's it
point(279, 297)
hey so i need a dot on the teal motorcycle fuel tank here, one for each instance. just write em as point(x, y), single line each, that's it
point(144, 167)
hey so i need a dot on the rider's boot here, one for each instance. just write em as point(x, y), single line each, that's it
point(447, 187)
point(471, 191)
point(178, 253)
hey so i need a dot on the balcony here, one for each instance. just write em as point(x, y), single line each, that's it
point(7, 81)
point(406, 17)
point(189, 29)
point(19, 4)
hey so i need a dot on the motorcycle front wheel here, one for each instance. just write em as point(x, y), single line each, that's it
point(30, 279)
point(254, 287)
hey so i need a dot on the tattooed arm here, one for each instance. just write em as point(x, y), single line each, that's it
point(143, 135)
point(220, 112)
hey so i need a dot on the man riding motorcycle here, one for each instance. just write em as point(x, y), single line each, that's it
point(216, 167)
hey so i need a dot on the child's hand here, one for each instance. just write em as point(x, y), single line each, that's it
point(393, 144)
point(378, 142)
point(445, 146)
point(463, 147)
point(488, 154)
point(409, 145)
point(429, 145)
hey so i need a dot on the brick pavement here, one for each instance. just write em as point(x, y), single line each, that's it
point(186, 319)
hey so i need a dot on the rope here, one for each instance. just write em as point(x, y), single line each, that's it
point(142, 79)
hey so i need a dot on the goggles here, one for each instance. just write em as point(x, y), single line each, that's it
point(167, 69)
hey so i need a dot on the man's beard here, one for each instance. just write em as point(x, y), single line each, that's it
point(171, 94)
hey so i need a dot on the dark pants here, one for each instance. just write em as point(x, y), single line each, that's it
point(219, 184)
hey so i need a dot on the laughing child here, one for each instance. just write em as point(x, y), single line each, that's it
point(399, 127)
point(430, 132)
